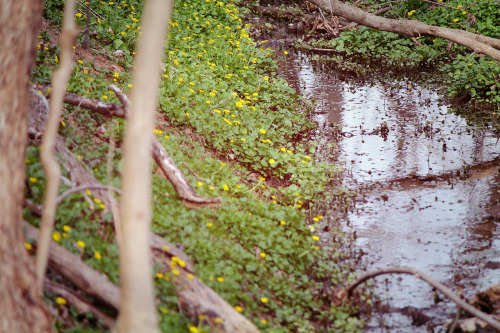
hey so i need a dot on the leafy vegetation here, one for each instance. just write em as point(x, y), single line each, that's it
point(236, 131)
point(466, 73)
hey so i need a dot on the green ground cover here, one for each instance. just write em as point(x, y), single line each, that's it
point(466, 74)
point(236, 131)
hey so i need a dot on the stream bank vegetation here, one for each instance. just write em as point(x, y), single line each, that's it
point(236, 137)
point(240, 219)
point(456, 37)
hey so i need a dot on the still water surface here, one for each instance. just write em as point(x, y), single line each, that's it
point(426, 178)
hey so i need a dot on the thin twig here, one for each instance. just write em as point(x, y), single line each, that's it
point(49, 163)
point(192, 171)
point(423, 276)
point(85, 187)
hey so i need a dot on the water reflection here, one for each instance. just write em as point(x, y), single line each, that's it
point(416, 211)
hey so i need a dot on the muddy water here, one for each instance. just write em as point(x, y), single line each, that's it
point(426, 180)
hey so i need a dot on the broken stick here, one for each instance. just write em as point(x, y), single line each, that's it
point(185, 191)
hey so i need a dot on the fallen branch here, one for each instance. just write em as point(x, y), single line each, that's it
point(411, 28)
point(71, 267)
point(423, 276)
point(82, 188)
point(81, 305)
point(195, 297)
point(185, 191)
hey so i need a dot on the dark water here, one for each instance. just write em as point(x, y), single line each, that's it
point(426, 180)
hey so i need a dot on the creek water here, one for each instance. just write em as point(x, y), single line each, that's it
point(426, 179)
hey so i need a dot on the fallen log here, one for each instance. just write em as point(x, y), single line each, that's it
point(412, 28)
point(185, 191)
point(195, 298)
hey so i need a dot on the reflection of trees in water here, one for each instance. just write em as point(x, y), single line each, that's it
point(476, 248)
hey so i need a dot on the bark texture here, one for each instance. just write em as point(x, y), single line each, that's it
point(137, 309)
point(21, 308)
point(480, 44)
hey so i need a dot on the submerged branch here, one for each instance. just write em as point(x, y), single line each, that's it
point(423, 276)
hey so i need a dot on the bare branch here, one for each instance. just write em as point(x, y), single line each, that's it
point(82, 188)
point(423, 276)
point(49, 163)
point(186, 192)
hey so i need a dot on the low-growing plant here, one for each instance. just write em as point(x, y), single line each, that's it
point(235, 131)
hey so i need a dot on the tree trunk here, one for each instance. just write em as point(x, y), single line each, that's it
point(137, 309)
point(21, 308)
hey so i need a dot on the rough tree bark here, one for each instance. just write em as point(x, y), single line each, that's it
point(137, 309)
point(21, 308)
point(480, 44)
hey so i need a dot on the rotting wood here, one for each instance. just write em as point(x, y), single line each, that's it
point(411, 28)
point(347, 291)
point(92, 282)
point(279, 13)
point(185, 191)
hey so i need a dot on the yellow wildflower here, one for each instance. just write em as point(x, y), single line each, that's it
point(56, 236)
point(60, 301)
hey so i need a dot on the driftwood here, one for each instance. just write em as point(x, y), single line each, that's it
point(347, 291)
point(411, 28)
point(186, 192)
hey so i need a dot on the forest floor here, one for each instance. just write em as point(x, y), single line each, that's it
point(236, 131)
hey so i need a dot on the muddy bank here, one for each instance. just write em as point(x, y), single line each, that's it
point(427, 181)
